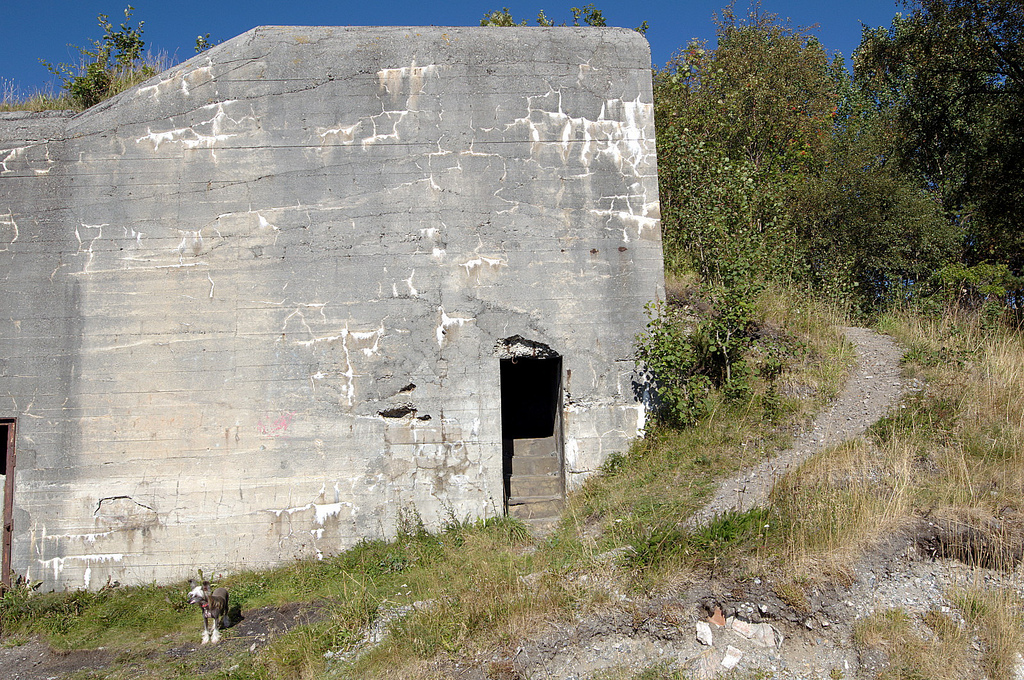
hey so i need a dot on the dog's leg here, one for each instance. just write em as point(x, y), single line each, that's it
point(206, 632)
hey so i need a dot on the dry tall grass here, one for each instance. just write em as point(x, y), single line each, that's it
point(953, 452)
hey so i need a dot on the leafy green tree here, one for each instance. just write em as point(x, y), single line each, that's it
point(738, 126)
point(774, 163)
point(872, 230)
point(955, 73)
point(591, 16)
point(766, 93)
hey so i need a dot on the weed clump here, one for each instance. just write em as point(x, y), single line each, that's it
point(109, 65)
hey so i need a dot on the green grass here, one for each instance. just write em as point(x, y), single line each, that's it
point(643, 496)
point(86, 619)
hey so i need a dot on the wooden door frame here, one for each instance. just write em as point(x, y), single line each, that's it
point(8, 517)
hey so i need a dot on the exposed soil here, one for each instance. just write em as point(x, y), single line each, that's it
point(38, 661)
point(250, 632)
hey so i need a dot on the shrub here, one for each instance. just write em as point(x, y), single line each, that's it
point(110, 65)
point(686, 358)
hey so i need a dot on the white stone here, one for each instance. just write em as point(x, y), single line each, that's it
point(732, 657)
point(704, 633)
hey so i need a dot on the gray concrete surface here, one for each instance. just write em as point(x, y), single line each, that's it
point(253, 309)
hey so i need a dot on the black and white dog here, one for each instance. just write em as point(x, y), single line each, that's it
point(215, 609)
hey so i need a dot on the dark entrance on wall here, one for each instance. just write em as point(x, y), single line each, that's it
point(531, 435)
point(8, 435)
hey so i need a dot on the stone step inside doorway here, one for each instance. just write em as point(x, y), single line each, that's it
point(536, 487)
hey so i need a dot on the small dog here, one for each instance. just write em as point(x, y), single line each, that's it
point(215, 609)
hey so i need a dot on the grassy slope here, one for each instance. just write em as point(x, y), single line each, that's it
point(956, 448)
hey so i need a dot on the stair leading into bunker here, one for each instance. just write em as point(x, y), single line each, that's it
point(536, 507)
point(536, 489)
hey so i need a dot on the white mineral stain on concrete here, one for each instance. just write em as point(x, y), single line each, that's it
point(264, 224)
point(342, 134)
point(12, 155)
point(323, 512)
point(191, 240)
point(365, 341)
point(9, 231)
point(393, 81)
point(19, 157)
point(640, 223)
point(57, 563)
point(88, 251)
point(87, 538)
point(483, 263)
point(446, 323)
point(392, 117)
point(207, 134)
point(181, 80)
point(408, 282)
point(618, 132)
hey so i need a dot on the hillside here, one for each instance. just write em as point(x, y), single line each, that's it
point(893, 552)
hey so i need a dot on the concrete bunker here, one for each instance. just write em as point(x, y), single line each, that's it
point(264, 304)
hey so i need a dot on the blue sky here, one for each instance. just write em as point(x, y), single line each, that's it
point(42, 29)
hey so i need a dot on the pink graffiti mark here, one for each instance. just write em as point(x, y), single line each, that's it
point(275, 427)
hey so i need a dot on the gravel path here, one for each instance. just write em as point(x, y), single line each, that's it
point(873, 388)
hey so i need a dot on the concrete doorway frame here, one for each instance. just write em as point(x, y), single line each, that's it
point(532, 377)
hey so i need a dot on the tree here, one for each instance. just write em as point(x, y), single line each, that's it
point(502, 17)
point(590, 15)
point(873, 232)
point(954, 71)
point(737, 127)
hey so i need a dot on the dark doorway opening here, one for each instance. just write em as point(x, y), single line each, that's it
point(531, 432)
point(530, 397)
point(8, 436)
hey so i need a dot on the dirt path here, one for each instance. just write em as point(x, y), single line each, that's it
point(873, 388)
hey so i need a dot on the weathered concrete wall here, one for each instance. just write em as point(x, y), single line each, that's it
point(216, 283)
